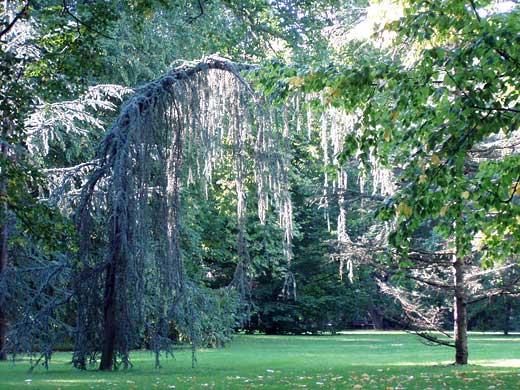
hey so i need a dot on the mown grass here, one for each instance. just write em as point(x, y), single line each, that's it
point(353, 360)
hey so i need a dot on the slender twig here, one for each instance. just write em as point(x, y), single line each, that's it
point(20, 14)
point(504, 109)
point(433, 339)
point(474, 8)
point(514, 190)
point(74, 168)
point(200, 4)
point(81, 22)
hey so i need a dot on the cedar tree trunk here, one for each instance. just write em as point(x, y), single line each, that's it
point(107, 355)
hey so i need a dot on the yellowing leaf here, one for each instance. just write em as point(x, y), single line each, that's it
point(436, 160)
point(515, 189)
point(404, 209)
point(423, 178)
point(465, 194)
point(443, 211)
point(328, 90)
point(386, 136)
point(336, 93)
point(296, 81)
point(394, 114)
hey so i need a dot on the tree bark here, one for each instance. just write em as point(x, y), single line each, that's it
point(460, 313)
point(507, 314)
point(3, 266)
point(3, 263)
point(107, 353)
point(4, 226)
point(377, 318)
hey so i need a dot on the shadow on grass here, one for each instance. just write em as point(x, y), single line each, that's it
point(354, 360)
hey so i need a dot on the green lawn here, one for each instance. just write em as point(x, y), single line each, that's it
point(353, 360)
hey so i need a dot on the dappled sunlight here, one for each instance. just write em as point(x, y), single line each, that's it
point(321, 339)
point(505, 339)
point(362, 360)
point(508, 363)
point(443, 363)
point(487, 333)
point(51, 383)
point(373, 332)
point(75, 380)
point(357, 169)
point(361, 340)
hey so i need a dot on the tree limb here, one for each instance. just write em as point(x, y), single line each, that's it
point(19, 15)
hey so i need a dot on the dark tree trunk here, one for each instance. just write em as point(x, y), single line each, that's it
point(3, 265)
point(507, 314)
point(377, 318)
point(109, 334)
point(460, 313)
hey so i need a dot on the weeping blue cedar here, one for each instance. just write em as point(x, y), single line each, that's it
point(170, 134)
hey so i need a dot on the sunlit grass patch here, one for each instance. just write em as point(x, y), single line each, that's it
point(352, 360)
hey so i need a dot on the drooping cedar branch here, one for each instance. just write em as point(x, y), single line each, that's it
point(172, 133)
